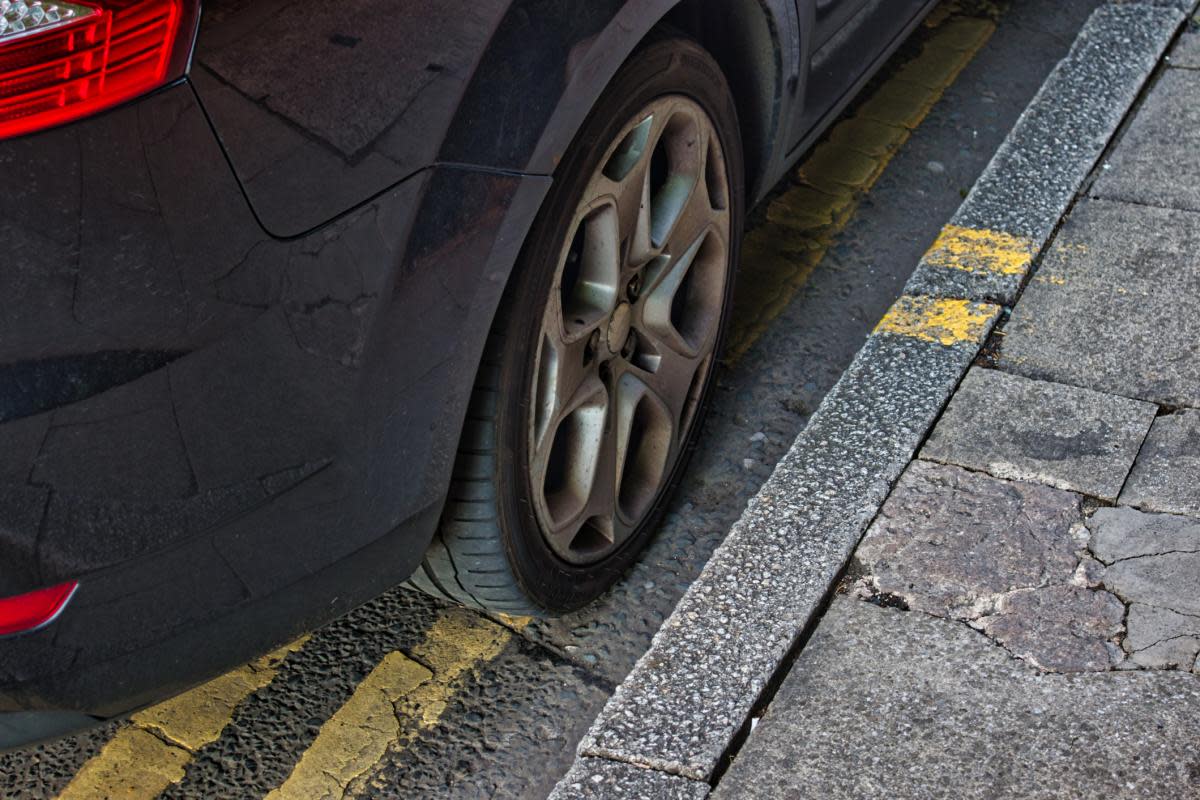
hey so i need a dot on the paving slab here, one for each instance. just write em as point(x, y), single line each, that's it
point(1158, 158)
point(1152, 561)
point(1023, 429)
point(887, 703)
point(1114, 309)
point(1186, 53)
point(1166, 475)
point(1003, 556)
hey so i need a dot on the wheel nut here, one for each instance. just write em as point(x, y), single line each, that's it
point(634, 288)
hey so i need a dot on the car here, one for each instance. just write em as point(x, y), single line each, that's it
point(304, 300)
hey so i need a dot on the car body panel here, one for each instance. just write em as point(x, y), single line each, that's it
point(231, 420)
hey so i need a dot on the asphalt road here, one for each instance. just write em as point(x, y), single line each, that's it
point(409, 698)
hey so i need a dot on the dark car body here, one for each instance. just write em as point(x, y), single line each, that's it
point(240, 316)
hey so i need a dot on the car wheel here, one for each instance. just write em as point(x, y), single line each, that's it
point(597, 369)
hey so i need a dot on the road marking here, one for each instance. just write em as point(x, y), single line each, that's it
point(151, 752)
point(803, 222)
point(402, 696)
point(979, 250)
point(946, 322)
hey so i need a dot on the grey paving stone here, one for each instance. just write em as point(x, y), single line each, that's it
point(1187, 52)
point(1120, 534)
point(1022, 429)
point(1058, 628)
point(1115, 306)
point(1053, 146)
point(1001, 556)
point(1153, 563)
point(600, 779)
point(1164, 580)
point(1158, 158)
point(1166, 476)
point(885, 703)
point(1159, 638)
point(689, 694)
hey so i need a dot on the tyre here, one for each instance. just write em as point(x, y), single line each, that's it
point(596, 372)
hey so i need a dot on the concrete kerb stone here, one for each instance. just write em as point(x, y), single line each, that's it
point(690, 693)
point(601, 779)
point(1045, 159)
point(688, 696)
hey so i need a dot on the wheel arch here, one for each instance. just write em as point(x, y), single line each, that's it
point(747, 38)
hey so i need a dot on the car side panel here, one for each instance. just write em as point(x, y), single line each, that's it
point(315, 122)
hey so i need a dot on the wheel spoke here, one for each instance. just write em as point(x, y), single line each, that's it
point(626, 179)
point(563, 367)
point(672, 378)
point(644, 441)
point(682, 305)
point(565, 464)
point(590, 271)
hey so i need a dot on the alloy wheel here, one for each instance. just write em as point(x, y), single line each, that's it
point(630, 329)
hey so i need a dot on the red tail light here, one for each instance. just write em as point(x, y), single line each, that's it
point(60, 61)
point(30, 611)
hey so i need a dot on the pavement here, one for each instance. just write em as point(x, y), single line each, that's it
point(976, 573)
point(409, 697)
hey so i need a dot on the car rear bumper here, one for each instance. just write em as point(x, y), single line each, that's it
point(225, 437)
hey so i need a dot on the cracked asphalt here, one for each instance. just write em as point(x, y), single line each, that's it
point(407, 697)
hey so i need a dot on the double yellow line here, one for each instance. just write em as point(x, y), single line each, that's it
point(403, 695)
point(150, 753)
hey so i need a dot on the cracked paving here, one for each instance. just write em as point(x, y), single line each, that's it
point(1026, 566)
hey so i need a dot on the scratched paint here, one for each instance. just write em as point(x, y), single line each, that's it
point(946, 322)
point(979, 250)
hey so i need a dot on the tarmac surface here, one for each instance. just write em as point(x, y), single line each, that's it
point(407, 697)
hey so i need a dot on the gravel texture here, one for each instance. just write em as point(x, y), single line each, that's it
point(884, 703)
point(689, 694)
point(599, 779)
point(1158, 158)
point(1022, 429)
point(1106, 308)
point(1166, 476)
point(1036, 173)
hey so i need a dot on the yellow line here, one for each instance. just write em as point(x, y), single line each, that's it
point(150, 753)
point(946, 322)
point(980, 250)
point(803, 222)
point(402, 696)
